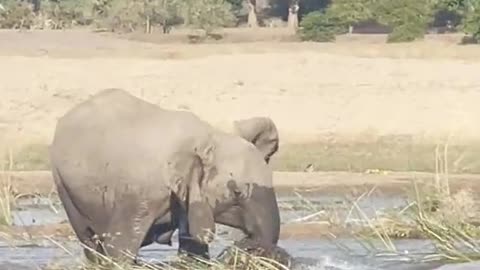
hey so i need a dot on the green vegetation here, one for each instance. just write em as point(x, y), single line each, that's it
point(392, 153)
point(320, 21)
point(318, 26)
point(384, 153)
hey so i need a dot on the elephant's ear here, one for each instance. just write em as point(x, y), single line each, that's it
point(201, 224)
point(260, 131)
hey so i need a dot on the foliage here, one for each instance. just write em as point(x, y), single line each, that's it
point(237, 6)
point(209, 14)
point(408, 18)
point(67, 13)
point(350, 12)
point(122, 16)
point(161, 12)
point(471, 22)
point(16, 15)
point(319, 26)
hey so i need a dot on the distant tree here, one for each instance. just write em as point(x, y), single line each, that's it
point(280, 8)
point(350, 12)
point(319, 26)
point(236, 5)
point(408, 18)
point(210, 14)
point(471, 19)
point(293, 8)
point(160, 12)
point(252, 20)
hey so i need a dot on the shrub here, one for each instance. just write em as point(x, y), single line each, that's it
point(350, 12)
point(408, 18)
point(17, 15)
point(67, 13)
point(209, 14)
point(120, 15)
point(319, 26)
point(471, 23)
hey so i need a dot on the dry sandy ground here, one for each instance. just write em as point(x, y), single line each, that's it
point(356, 87)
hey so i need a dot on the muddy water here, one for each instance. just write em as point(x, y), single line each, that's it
point(343, 254)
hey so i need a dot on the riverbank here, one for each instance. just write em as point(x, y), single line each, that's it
point(315, 183)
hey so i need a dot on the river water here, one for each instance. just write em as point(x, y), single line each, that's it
point(313, 253)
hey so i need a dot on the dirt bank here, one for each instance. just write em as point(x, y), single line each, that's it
point(40, 182)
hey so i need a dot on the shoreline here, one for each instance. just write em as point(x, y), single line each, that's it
point(286, 183)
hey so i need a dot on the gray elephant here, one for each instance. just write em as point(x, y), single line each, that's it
point(127, 171)
point(260, 131)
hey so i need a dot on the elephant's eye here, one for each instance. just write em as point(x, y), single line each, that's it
point(234, 189)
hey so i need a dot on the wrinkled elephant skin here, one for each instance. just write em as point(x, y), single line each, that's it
point(129, 173)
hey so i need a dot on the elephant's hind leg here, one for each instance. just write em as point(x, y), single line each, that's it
point(79, 223)
point(129, 226)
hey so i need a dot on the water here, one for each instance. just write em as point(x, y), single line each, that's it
point(314, 253)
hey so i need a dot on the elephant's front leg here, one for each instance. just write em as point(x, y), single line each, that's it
point(186, 244)
point(160, 233)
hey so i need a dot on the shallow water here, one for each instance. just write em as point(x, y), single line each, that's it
point(311, 253)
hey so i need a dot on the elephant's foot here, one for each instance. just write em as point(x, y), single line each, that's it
point(191, 248)
point(252, 249)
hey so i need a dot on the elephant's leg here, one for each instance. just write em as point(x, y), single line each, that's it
point(163, 228)
point(186, 244)
point(161, 233)
point(79, 223)
point(130, 224)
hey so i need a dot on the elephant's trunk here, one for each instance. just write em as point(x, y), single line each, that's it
point(262, 216)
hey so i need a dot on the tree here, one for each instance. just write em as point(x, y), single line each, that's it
point(161, 12)
point(252, 20)
point(210, 14)
point(237, 6)
point(350, 12)
point(319, 26)
point(293, 9)
point(471, 21)
point(408, 18)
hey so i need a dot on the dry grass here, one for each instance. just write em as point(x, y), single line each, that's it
point(7, 199)
point(232, 257)
point(449, 220)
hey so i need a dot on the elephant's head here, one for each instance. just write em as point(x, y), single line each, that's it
point(240, 186)
point(261, 132)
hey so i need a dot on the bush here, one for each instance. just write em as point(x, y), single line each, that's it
point(120, 15)
point(319, 26)
point(67, 13)
point(471, 24)
point(408, 18)
point(405, 33)
point(350, 12)
point(209, 14)
point(17, 15)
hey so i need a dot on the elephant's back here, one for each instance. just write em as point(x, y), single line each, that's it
point(115, 138)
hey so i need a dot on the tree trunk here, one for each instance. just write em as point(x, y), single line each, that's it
point(252, 15)
point(148, 27)
point(350, 29)
point(293, 15)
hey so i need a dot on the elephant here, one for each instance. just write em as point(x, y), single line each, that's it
point(260, 131)
point(128, 173)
